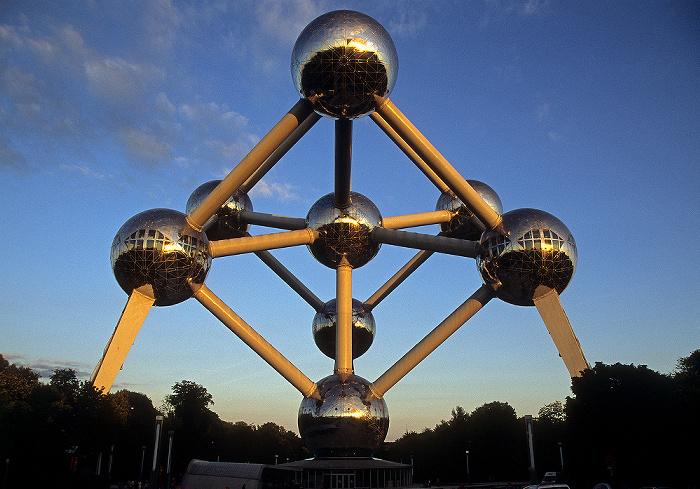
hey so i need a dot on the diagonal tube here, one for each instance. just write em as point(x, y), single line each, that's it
point(134, 314)
point(552, 312)
point(408, 151)
point(248, 244)
point(290, 279)
point(396, 279)
point(428, 344)
point(249, 164)
point(432, 157)
point(251, 338)
point(441, 244)
point(281, 150)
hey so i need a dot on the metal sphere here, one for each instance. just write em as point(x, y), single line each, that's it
point(342, 423)
point(344, 235)
point(538, 250)
point(324, 329)
point(461, 225)
point(341, 60)
point(225, 224)
point(158, 248)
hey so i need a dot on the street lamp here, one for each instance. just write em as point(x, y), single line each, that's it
point(143, 456)
point(533, 472)
point(561, 457)
point(468, 474)
point(154, 468)
point(170, 455)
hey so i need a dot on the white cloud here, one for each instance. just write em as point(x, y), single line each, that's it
point(284, 20)
point(116, 80)
point(11, 159)
point(145, 147)
point(409, 19)
point(282, 192)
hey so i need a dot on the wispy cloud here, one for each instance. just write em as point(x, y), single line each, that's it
point(282, 192)
point(409, 18)
point(60, 87)
point(496, 9)
point(45, 366)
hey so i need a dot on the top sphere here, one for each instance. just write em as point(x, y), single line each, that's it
point(462, 225)
point(341, 60)
point(225, 224)
point(538, 250)
point(158, 248)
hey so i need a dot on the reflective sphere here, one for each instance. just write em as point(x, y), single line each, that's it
point(344, 234)
point(158, 248)
point(461, 225)
point(225, 224)
point(539, 250)
point(341, 424)
point(341, 60)
point(324, 329)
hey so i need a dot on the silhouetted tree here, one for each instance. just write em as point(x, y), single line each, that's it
point(624, 414)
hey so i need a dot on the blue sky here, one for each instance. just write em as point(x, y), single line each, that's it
point(589, 111)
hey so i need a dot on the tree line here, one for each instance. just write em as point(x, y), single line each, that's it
point(622, 423)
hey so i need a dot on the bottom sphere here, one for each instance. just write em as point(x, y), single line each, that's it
point(342, 424)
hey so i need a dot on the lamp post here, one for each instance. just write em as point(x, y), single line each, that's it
point(154, 467)
point(7, 468)
point(109, 465)
point(469, 477)
point(143, 456)
point(561, 457)
point(170, 456)
point(533, 472)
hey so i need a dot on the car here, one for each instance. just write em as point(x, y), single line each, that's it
point(551, 477)
point(556, 485)
point(611, 485)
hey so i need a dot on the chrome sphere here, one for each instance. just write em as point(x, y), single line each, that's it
point(324, 328)
point(158, 248)
point(538, 250)
point(225, 224)
point(344, 234)
point(341, 60)
point(342, 424)
point(461, 225)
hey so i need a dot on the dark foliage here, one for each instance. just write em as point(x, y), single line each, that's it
point(54, 434)
point(623, 423)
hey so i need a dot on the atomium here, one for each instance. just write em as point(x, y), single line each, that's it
point(345, 235)
point(464, 224)
point(539, 250)
point(158, 248)
point(341, 61)
point(342, 423)
point(225, 224)
point(344, 66)
point(325, 323)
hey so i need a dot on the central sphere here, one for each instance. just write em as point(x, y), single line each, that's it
point(225, 223)
point(158, 248)
point(344, 235)
point(342, 423)
point(538, 250)
point(341, 60)
point(324, 328)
